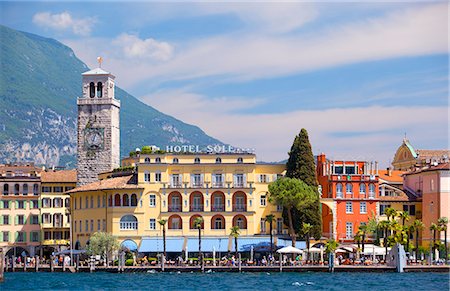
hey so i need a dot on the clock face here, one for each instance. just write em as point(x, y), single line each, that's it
point(93, 138)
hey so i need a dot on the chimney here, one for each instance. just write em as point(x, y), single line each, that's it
point(389, 170)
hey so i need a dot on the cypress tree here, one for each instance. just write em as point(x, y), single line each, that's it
point(301, 165)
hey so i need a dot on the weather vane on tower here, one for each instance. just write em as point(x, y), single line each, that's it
point(99, 60)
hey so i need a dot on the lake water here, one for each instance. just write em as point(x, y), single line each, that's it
point(226, 281)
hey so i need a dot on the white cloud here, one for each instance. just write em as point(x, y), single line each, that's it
point(134, 47)
point(352, 133)
point(64, 21)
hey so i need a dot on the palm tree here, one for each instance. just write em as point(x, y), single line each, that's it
point(331, 245)
point(404, 215)
point(306, 230)
point(163, 222)
point(235, 232)
point(418, 226)
point(357, 237)
point(198, 223)
point(363, 230)
point(270, 218)
point(390, 212)
point(443, 221)
point(435, 228)
point(384, 225)
point(409, 230)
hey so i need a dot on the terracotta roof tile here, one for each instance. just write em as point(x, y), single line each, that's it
point(442, 166)
point(433, 153)
point(63, 176)
point(396, 176)
point(124, 182)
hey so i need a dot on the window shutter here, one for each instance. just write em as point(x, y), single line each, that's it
point(24, 236)
point(25, 205)
point(38, 236)
point(39, 219)
point(192, 179)
point(1, 220)
point(16, 220)
point(202, 178)
point(244, 179)
point(17, 204)
point(9, 236)
point(17, 235)
point(213, 179)
point(1, 204)
point(275, 177)
point(234, 179)
point(25, 219)
point(259, 178)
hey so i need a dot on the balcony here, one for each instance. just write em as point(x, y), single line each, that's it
point(239, 207)
point(217, 207)
point(174, 208)
point(197, 185)
point(176, 185)
point(128, 225)
point(239, 185)
point(197, 208)
point(51, 242)
point(217, 185)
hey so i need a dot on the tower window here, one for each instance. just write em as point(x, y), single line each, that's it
point(99, 89)
point(92, 90)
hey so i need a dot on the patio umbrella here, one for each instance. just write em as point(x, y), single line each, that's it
point(289, 250)
point(214, 256)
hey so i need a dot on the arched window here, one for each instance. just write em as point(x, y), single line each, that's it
point(339, 190)
point(218, 160)
point(349, 188)
point(192, 222)
point(362, 188)
point(239, 201)
point(16, 189)
point(130, 245)
point(125, 201)
point(92, 90)
point(147, 160)
point(110, 201)
point(25, 189)
point(35, 189)
point(146, 176)
point(371, 190)
point(158, 160)
point(117, 200)
point(175, 160)
point(218, 222)
point(218, 201)
point(197, 161)
point(240, 160)
point(240, 221)
point(5, 189)
point(128, 222)
point(175, 222)
point(67, 202)
point(133, 200)
point(99, 89)
point(196, 201)
point(174, 202)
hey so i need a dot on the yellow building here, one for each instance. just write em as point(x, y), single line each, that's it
point(55, 207)
point(224, 189)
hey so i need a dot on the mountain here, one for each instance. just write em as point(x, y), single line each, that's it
point(40, 80)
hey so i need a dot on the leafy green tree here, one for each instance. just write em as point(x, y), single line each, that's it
point(235, 232)
point(270, 218)
point(418, 226)
point(103, 244)
point(301, 165)
point(291, 194)
point(198, 223)
point(163, 222)
point(306, 230)
point(443, 222)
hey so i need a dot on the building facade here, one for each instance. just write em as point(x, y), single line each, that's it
point(224, 189)
point(350, 195)
point(20, 230)
point(98, 147)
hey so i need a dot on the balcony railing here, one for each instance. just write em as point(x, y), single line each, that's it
point(129, 225)
point(198, 207)
point(217, 185)
point(175, 208)
point(239, 185)
point(218, 207)
point(239, 207)
point(197, 185)
point(176, 185)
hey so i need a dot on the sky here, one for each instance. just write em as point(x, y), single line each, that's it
point(359, 76)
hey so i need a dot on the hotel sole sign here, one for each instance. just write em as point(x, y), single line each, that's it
point(218, 149)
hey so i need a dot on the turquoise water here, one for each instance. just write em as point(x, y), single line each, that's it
point(226, 281)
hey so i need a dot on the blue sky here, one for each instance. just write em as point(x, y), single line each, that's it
point(358, 76)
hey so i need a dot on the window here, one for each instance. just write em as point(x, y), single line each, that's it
point(81, 228)
point(217, 180)
point(20, 204)
point(98, 201)
point(176, 181)
point(133, 200)
point(175, 160)
point(58, 189)
point(263, 200)
point(5, 204)
point(371, 190)
point(239, 160)
point(68, 188)
point(239, 180)
point(46, 218)
point(338, 169)
point(348, 207)
point(197, 161)
point(5, 235)
point(339, 190)
point(35, 189)
point(117, 200)
point(34, 219)
point(383, 208)
point(20, 219)
point(196, 180)
point(5, 189)
point(157, 177)
point(92, 225)
point(16, 189)
point(218, 160)
point(46, 189)
point(86, 226)
point(25, 189)
point(87, 202)
point(362, 207)
point(263, 178)
point(362, 188)
point(34, 236)
point(92, 201)
point(262, 225)
point(75, 203)
point(219, 222)
point(104, 224)
point(279, 225)
point(411, 209)
point(57, 202)
point(46, 202)
point(147, 160)
point(349, 230)
point(128, 222)
point(34, 204)
point(350, 170)
point(152, 200)
point(4, 219)
point(125, 200)
point(279, 208)
point(20, 236)
point(99, 89)
point(91, 89)
point(152, 223)
point(175, 222)
point(158, 160)
point(348, 188)
point(147, 176)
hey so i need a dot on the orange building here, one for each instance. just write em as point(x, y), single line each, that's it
point(350, 195)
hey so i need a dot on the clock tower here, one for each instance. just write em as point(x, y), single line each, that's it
point(98, 148)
